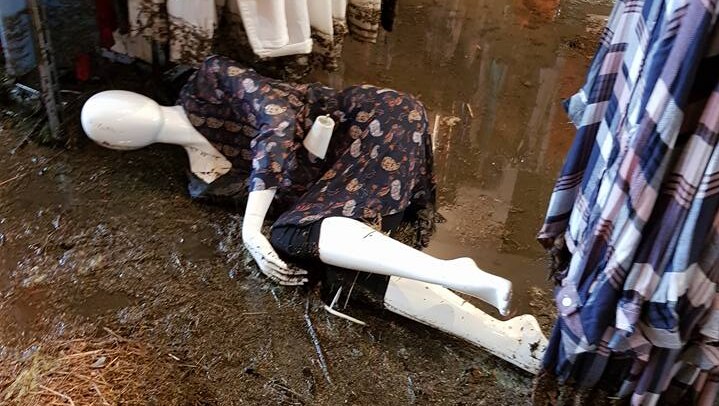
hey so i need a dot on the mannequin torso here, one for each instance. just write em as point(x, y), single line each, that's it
point(377, 163)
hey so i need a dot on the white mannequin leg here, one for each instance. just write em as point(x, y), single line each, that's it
point(350, 244)
point(519, 341)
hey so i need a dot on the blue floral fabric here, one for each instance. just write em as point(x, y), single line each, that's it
point(379, 160)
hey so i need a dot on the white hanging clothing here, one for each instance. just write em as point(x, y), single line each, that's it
point(339, 9)
point(275, 27)
point(363, 18)
point(321, 16)
point(147, 24)
point(135, 46)
point(192, 27)
point(327, 18)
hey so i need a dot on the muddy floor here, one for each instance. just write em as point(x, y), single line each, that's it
point(103, 251)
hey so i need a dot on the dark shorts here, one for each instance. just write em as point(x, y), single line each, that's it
point(300, 244)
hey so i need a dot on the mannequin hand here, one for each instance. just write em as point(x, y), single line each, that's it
point(270, 263)
point(262, 251)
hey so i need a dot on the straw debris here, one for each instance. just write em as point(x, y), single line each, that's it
point(105, 371)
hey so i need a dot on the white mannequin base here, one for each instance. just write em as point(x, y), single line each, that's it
point(519, 341)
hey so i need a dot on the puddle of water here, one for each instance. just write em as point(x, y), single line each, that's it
point(22, 312)
point(9, 256)
point(5, 268)
point(101, 302)
point(526, 272)
point(193, 247)
point(492, 75)
point(46, 190)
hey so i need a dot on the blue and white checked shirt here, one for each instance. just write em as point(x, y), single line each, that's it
point(636, 207)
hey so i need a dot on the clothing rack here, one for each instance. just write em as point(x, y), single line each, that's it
point(47, 69)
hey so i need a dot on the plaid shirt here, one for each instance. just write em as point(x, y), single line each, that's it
point(636, 207)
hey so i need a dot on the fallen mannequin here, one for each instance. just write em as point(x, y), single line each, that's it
point(344, 168)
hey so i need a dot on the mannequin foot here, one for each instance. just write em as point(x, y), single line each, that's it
point(492, 289)
point(504, 298)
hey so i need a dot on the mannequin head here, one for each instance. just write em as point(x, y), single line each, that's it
point(122, 120)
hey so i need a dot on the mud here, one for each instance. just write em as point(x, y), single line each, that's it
point(93, 239)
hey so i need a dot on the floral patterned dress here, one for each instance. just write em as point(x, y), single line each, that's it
point(379, 161)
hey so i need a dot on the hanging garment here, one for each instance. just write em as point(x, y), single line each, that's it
point(339, 9)
point(148, 18)
point(191, 29)
point(633, 218)
point(389, 11)
point(106, 22)
point(379, 161)
point(320, 14)
point(148, 22)
point(233, 42)
point(136, 46)
point(122, 16)
point(17, 37)
point(276, 27)
point(272, 28)
point(363, 18)
point(327, 18)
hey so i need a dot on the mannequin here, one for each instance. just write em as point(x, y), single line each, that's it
point(124, 120)
point(418, 283)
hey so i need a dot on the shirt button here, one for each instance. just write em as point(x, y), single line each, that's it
point(567, 301)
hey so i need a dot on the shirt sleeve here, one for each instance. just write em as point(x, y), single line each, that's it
point(272, 146)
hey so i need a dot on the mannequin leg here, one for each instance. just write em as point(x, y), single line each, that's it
point(350, 244)
point(519, 341)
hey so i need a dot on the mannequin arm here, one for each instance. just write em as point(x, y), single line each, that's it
point(264, 255)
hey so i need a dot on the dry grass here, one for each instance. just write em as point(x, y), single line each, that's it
point(106, 371)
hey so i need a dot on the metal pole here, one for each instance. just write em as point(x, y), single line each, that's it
point(46, 67)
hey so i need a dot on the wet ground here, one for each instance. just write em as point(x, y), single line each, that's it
point(96, 242)
point(492, 74)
